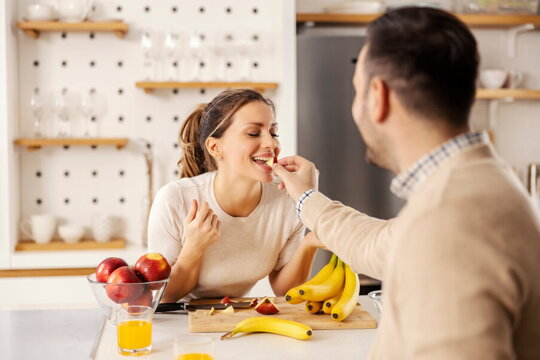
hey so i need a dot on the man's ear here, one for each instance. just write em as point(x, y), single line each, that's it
point(213, 146)
point(379, 100)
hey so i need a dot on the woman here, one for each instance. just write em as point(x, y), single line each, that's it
point(225, 225)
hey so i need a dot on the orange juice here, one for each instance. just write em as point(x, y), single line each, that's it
point(194, 356)
point(134, 334)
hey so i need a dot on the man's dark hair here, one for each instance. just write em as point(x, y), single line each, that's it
point(429, 58)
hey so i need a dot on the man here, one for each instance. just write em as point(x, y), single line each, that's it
point(460, 263)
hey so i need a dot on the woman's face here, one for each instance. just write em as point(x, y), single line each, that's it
point(249, 142)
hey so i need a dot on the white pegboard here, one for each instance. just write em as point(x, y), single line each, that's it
point(76, 182)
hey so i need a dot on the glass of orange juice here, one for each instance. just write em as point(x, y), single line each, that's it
point(134, 330)
point(194, 347)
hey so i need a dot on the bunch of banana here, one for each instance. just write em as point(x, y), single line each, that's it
point(334, 290)
point(293, 295)
point(273, 325)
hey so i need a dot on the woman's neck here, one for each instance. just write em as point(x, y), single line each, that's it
point(236, 196)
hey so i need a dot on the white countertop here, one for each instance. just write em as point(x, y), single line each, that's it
point(71, 333)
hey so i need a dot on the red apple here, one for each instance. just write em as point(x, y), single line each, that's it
point(153, 267)
point(266, 307)
point(107, 266)
point(124, 285)
point(145, 299)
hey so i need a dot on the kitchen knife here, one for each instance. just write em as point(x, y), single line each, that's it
point(185, 306)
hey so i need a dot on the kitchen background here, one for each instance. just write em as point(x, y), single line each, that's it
point(90, 85)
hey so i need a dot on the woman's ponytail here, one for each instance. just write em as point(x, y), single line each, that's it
point(192, 162)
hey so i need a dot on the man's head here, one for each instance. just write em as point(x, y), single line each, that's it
point(419, 64)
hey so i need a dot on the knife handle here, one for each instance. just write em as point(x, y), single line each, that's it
point(164, 307)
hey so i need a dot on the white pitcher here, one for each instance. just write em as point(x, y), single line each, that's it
point(73, 10)
point(104, 226)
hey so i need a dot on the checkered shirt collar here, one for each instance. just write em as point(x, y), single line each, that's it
point(406, 183)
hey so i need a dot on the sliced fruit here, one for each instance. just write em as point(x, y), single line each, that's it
point(266, 307)
point(228, 310)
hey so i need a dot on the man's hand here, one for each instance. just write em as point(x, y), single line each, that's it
point(297, 175)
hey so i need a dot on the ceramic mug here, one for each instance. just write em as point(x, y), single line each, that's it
point(104, 226)
point(513, 79)
point(71, 233)
point(39, 228)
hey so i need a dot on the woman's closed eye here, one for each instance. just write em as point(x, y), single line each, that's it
point(259, 134)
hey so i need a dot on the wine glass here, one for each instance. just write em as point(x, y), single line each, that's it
point(89, 109)
point(171, 50)
point(63, 111)
point(37, 106)
point(150, 54)
point(194, 56)
point(244, 45)
point(229, 54)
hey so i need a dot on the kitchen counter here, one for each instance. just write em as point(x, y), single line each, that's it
point(71, 334)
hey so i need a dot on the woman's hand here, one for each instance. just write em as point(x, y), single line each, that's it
point(202, 228)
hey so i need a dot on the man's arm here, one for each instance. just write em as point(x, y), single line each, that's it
point(359, 240)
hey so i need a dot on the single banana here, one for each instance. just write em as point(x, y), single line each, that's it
point(293, 296)
point(326, 289)
point(273, 325)
point(313, 307)
point(347, 302)
point(329, 304)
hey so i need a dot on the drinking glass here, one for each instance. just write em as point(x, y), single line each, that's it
point(194, 347)
point(134, 330)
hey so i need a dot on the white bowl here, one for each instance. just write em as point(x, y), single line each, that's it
point(493, 78)
point(40, 12)
point(71, 233)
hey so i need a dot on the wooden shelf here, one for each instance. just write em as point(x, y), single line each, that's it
point(518, 94)
point(36, 144)
point(33, 28)
point(150, 86)
point(59, 244)
point(11, 273)
point(473, 20)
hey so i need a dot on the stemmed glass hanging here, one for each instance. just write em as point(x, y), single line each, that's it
point(63, 112)
point(37, 105)
point(89, 110)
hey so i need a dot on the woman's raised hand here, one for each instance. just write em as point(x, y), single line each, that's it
point(202, 227)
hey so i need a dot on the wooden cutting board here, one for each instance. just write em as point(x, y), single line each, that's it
point(201, 321)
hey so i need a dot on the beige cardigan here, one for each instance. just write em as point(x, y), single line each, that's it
point(460, 263)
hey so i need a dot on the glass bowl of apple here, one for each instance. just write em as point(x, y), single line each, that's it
point(116, 285)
